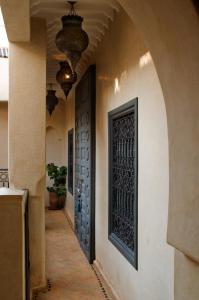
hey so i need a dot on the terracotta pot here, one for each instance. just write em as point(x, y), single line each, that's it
point(53, 199)
point(61, 202)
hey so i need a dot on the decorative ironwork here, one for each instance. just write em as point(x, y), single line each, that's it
point(123, 140)
point(3, 52)
point(65, 77)
point(27, 246)
point(85, 163)
point(51, 100)
point(72, 40)
point(4, 180)
point(70, 161)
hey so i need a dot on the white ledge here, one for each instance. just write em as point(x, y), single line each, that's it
point(11, 192)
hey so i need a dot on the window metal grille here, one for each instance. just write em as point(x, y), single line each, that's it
point(4, 180)
point(123, 169)
point(4, 52)
point(70, 161)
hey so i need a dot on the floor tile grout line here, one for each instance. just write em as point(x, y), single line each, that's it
point(98, 276)
point(101, 286)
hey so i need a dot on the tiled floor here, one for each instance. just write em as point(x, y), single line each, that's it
point(71, 277)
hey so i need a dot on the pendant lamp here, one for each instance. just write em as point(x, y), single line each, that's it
point(72, 40)
point(51, 100)
point(65, 77)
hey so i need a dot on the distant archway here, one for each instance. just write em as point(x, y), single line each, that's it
point(54, 151)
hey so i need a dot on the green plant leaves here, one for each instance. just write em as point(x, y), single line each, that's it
point(58, 175)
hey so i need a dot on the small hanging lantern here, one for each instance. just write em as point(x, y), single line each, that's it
point(51, 100)
point(72, 39)
point(65, 77)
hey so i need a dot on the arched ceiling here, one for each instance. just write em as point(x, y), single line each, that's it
point(97, 16)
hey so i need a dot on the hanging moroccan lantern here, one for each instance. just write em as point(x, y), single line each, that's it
point(65, 77)
point(72, 40)
point(51, 100)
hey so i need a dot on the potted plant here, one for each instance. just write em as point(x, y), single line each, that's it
point(57, 192)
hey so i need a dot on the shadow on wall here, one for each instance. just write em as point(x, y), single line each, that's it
point(196, 4)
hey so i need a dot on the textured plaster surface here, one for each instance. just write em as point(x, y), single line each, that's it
point(12, 268)
point(17, 19)
point(186, 278)
point(134, 75)
point(117, 83)
point(67, 269)
point(170, 30)
point(27, 131)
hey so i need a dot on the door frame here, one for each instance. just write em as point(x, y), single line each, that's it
point(91, 72)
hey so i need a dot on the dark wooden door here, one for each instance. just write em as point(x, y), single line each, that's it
point(85, 163)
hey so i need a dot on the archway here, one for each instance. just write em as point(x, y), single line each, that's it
point(170, 29)
point(54, 152)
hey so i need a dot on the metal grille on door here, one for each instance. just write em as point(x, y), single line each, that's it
point(84, 163)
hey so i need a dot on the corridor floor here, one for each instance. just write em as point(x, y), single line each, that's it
point(68, 271)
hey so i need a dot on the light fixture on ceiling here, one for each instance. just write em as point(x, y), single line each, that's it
point(51, 99)
point(72, 40)
point(65, 77)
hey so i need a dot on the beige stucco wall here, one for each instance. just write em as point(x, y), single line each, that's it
point(27, 132)
point(125, 71)
point(17, 19)
point(12, 246)
point(55, 139)
point(121, 59)
point(170, 29)
point(3, 135)
point(186, 277)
